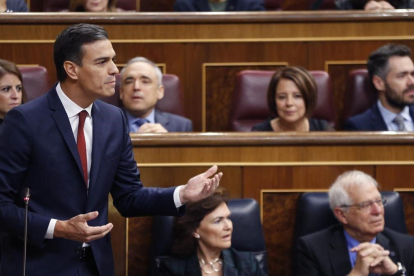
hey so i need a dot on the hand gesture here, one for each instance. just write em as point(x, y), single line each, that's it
point(201, 186)
point(77, 228)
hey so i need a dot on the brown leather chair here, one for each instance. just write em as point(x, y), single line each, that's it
point(35, 81)
point(250, 99)
point(172, 101)
point(360, 93)
point(63, 5)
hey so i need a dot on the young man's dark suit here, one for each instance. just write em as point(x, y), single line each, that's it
point(171, 122)
point(38, 150)
point(370, 120)
point(232, 5)
point(325, 253)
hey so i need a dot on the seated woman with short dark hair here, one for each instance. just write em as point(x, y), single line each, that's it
point(12, 93)
point(202, 244)
point(292, 97)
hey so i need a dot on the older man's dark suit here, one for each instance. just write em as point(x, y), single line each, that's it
point(171, 122)
point(232, 5)
point(370, 120)
point(38, 150)
point(325, 253)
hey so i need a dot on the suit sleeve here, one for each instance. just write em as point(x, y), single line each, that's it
point(130, 197)
point(16, 139)
point(304, 262)
point(410, 261)
point(189, 126)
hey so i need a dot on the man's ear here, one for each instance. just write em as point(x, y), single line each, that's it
point(71, 69)
point(340, 214)
point(160, 92)
point(378, 83)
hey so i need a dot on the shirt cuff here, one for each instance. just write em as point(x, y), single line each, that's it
point(177, 200)
point(51, 229)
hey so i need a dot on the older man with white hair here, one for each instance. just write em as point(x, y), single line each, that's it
point(359, 245)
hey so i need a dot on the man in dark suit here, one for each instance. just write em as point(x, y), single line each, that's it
point(72, 150)
point(392, 73)
point(218, 5)
point(360, 245)
point(141, 88)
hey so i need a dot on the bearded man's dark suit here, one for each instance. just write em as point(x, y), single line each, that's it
point(325, 253)
point(370, 120)
point(38, 151)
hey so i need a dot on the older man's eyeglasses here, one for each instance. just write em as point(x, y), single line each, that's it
point(367, 206)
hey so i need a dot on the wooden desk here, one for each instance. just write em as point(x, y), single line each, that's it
point(252, 162)
point(207, 50)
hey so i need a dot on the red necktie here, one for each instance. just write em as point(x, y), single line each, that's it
point(82, 145)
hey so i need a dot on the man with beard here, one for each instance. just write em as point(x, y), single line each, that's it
point(359, 245)
point(392, 73)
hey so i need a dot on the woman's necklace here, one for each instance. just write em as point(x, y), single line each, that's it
point(217, 262)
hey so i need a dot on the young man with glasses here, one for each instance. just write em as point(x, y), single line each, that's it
point(360, 245)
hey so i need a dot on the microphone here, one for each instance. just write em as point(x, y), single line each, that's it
point(26, 201)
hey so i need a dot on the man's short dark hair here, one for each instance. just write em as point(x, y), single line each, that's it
point(378, 60)
point(68, 45)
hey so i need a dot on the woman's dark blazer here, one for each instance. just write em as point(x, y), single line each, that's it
point(235, 263)
point(314, 125)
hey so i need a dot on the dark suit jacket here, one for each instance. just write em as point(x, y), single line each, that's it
point(325, 253)
point(171, 122)
point(235, 263)
point(314, 125)
point(370, 120)
point(38, 150)
point(232, 5)
point(17, 5)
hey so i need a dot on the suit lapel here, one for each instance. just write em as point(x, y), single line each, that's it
point(338, 254)
point(378, 122)
point(99, 134)
point(385, 243)
point(62, 123)
point(161, 118)
point(229, 267)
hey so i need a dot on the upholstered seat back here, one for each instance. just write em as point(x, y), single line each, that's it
point(249, 106)
point(247, 232)
point(35, 81)
point(360, 93)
